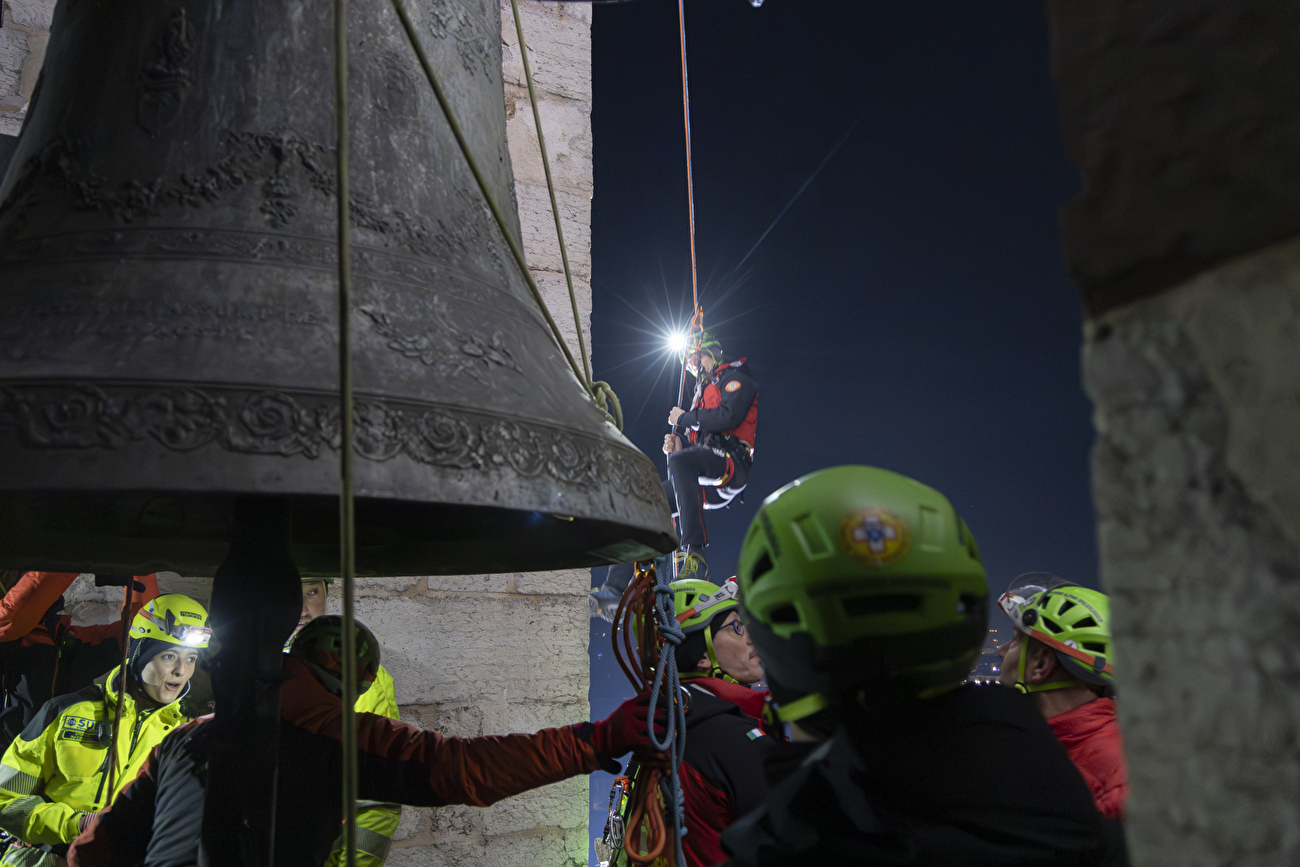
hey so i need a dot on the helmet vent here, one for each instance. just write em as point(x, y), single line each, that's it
point(761, 568)
point(1050, 624)
point(1086, 622)
point(1094, 646)
point(785, 614)
point(886, 603)
point(1065, 606)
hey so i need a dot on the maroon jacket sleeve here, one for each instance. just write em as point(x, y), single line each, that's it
point(24, 606)
point(404, 764)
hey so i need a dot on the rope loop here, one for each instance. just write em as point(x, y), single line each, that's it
point(607, 400)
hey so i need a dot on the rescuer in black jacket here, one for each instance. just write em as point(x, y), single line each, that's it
point(864, 594)
point(720, 428)
point(710, 452)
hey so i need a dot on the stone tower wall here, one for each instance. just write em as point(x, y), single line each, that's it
point(1184, 118)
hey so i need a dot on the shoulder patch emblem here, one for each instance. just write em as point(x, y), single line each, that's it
point(876, 537)
point(734, 385)
point(755, 734)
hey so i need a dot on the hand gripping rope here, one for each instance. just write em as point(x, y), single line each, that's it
point(645, 625)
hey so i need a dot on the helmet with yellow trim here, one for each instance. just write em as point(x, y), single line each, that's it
point(173, 619)
point(698, 604)
point(1072, 621)
point(856, 579)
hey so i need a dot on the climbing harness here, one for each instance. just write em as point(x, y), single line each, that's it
point(647, 807)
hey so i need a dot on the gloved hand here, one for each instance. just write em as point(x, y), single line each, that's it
point(624, 730)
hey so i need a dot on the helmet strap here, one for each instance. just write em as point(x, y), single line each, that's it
point(715, 670)
point(1023, 685)
point(804, 706)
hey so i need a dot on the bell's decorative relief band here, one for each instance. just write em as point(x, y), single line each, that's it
point(285, 164)
point(84, 416)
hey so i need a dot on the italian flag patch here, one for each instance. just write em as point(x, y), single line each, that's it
point(755, 734)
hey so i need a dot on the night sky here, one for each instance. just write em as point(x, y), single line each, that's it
point(910, 310)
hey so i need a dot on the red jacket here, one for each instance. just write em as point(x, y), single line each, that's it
point(1090, 734)
point(722, 770)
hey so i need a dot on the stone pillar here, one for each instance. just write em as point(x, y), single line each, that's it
point(1184, 116)
point(492, 654)
point(24, 33)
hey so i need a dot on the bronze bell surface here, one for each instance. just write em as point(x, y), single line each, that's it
point(168, 335)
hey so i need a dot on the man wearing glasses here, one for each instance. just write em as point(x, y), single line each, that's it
point(722, 769)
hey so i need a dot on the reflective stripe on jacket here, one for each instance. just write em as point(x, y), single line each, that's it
point(376, 821)
point(53, 773)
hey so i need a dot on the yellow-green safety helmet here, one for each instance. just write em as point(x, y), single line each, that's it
point(856, 578)
point(172, 618)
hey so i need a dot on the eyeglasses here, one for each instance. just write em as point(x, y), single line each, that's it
point(737, 626)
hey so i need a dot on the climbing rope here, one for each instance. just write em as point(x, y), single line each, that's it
point(400, 7)
point(347, 514)
point(645, 635)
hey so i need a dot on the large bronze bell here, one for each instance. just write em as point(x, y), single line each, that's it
point(168, 337)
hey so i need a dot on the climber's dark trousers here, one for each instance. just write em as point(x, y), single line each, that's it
point(689, 491)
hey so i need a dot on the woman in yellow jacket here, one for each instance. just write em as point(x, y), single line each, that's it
point(55, 775)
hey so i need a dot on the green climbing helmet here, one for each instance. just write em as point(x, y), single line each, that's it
point(857, 578)
point(697, 602)
point(1073, 621)
point(702, 341)
point(321, 643)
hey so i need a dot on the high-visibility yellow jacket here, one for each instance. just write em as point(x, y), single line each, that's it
point(381, 698)
point(376, 821)
point(54, 773)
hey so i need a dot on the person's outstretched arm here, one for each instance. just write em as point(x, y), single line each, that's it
point(402, 764)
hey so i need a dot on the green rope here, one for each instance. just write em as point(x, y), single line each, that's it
point(550, 188)
point(515, 249)
point(347, 515)
point(606, 398)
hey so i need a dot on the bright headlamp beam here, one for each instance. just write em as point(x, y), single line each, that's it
point(677, 342)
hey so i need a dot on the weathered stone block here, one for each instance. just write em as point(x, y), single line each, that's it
point(1197, 395)
point(1184, 118)
point(472, 646)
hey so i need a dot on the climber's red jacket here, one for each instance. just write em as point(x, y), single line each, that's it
point(1090, 734)
point(725, 406)
point(722, 769)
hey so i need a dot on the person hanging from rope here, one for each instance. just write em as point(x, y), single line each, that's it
point(80, 749)
point(42, 654)
point(864, 593)
point(720, 428)
point(726, 742)
point(376, 822)
point(1060, 656)
point(158, 818)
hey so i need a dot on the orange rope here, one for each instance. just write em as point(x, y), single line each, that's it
point(690, 180)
